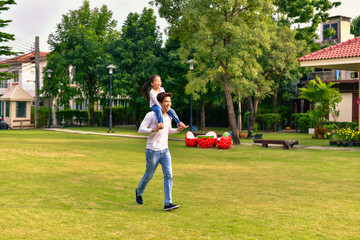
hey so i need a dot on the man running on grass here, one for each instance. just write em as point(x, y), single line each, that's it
point(157, 150)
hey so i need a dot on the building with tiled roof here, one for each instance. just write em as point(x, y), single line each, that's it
point(29, 57)
point(24, 67)
point(346, 53)
point(339, 63)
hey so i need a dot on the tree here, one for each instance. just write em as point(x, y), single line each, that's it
point(79, 42)
point(137, 54)
point(355, 26)
point(279, 61)
point(173, 74)
point(5, 37)
point(228, 33)
point(323, 97)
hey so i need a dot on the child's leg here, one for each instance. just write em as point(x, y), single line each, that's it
point(158, 113)
point(174, 116)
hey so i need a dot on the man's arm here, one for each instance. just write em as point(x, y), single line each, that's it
point(145, 125)
point(175, 130)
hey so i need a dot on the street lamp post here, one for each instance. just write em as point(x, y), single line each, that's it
point(49, 71)
point(110, 67)
point(191, 63)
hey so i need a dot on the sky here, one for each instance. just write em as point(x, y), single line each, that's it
point(32, 18)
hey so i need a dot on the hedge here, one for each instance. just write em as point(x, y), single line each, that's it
point(78, 117)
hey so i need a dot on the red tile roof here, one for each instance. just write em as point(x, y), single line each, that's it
point(347, 49)
point(29, 57)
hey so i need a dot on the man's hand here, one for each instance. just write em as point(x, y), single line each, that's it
point(155, 129)
point(181, 124)
point(158, 127)
point(179, 129)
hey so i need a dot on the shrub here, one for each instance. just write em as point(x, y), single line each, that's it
point(303, 121)
point(70, 115)
point(268, 120)
point(43, 115)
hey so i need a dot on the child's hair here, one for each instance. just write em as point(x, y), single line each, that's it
point(161, 96)
point(147, 87)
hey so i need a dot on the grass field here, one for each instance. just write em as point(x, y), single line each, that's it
point(303, 138)
point(69, 186)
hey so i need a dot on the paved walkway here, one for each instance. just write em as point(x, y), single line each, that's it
point(179, 139)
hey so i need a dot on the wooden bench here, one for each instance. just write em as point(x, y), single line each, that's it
point(22, 125)
point(286, 143)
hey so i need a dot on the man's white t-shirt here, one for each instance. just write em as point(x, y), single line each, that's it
point(157, 140)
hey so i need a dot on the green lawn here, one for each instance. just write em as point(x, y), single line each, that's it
point(303, 138)
point(69, 186)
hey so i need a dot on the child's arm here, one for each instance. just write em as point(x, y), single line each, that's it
point(153, 94)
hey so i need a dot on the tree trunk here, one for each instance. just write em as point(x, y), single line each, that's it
point(254, 102)
point(276, 91)
point(91, 104)
point(230, 108)
point(275, 98)
point(202, 126)
point(239, 116)
point(91, 109)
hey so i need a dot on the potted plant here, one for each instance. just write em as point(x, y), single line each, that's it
point(329, 135)
point(243, 134)
point(320, 131)
point(323, 98)
point(357, 138)
point(258, 134)
point(338, 137)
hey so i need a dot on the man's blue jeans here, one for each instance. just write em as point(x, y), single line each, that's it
point(159, 116)
point(153, 158)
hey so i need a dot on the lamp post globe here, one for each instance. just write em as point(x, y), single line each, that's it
point(49, 72)
point(110, 67)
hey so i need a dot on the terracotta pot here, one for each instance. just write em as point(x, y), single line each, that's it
point(243, 135)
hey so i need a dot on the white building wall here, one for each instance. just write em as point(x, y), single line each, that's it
point(28, 78)
point(345, 107)
point(42, 66)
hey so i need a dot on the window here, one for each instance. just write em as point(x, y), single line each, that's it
point(4, 84)
point(21, 109)
point(322, 70)
point(7, 111)
point(335, 27)
point(354, 75)
point(1, 108)
point(16, 78)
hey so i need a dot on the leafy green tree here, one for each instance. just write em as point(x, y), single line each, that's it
point(79, 42)
point(225, 35)
point(323, 97)
point(137, 54)
point(279, 61)
point(173, 74)
point(355, 26)
point(5, 37)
